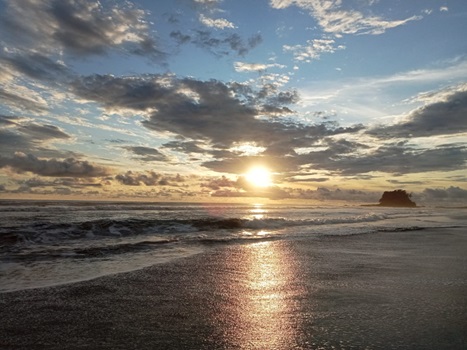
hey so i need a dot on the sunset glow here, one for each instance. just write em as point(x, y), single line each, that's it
point(174, 100)
point(259, 176)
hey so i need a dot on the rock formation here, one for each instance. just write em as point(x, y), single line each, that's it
point(397, 198)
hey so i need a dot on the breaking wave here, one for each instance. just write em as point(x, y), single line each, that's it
point(44, 232)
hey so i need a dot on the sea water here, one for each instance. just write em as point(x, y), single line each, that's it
point(45, 243)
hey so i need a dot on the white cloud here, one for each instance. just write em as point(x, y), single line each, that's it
point(333, 19)
point(207, 2)
point(436, 96)
point(444, 9)
point(219, 23)
point(313, 49)
point(375, 99)
point(277, 80)
point(255, 67)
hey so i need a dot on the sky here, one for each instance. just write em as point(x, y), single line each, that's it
point(178, 100)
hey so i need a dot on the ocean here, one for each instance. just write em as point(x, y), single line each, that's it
point(46, 243)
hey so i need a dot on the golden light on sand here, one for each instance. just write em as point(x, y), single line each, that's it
point(259, 176)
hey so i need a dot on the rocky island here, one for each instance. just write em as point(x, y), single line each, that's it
point(397, 198)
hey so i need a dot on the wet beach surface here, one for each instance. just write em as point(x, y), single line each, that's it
point(392, 290)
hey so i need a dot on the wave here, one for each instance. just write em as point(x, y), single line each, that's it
point(48, 232)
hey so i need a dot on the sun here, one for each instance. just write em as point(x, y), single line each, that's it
point(259, 177)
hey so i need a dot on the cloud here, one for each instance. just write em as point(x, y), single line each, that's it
point(444, 117)
point(207, 2)
point(345, 158)
point(21, 102)
point(27, 186)
point(206, 111)
point(42, 132)
point(69, 167)
point(180, 38)
point(147, 154)
point(219, 23)
point(444, 195)
point(255, 67)
point(216, 184)
point(396, 158)
point(222, 45)
point(333, 18)
point(8, 120)
point(35, 66)
point(78, 27)
point(399, 182)
point(313, 49)
point(149, 178)
point(221, 116)
point(17, 134)
point(186, 147)
point(319, 194)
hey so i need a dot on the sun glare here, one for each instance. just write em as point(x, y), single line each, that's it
point(259, 176)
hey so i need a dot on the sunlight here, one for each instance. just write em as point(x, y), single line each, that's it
point(266, 314)
point(259, 176)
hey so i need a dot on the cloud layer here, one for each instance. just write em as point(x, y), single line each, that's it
point(21, 162)
point(68, 106)
point(78, 27)
point(335, 19)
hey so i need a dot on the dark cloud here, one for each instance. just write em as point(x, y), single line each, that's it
point(320, 194)
point(42, 132)
point(326, 194)
point(345, 158)
point(205, 111)
point(307, 178)
point(396, 158)
point(27, 186)
point(445, 195)
point(400, 182)
point(280, 155)
point(7, 120)
point(180, 38)
point(21, 103)
point(148, 154)
point(222, 46)
point(440, 118)
point(149, 178)
point(78, 27)
point(136, 93)
point(219, 45)
point(19, 135)
point(35, 66)
point(70, 167)
point(224, 115)
point(216, 184)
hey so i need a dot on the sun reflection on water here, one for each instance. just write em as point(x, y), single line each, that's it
point(258, 212)
point(263, 313)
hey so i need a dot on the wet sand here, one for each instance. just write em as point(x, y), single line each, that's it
point(399, 290)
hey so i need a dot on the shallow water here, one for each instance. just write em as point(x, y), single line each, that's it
point(393, 290)
point(48, 243)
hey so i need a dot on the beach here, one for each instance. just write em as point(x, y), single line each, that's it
point(390, 290)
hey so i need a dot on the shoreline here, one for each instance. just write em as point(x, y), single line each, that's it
point(394, 290)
